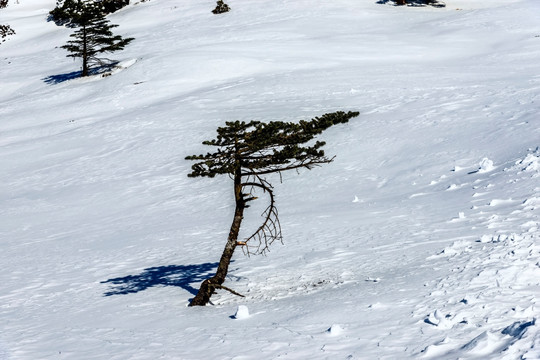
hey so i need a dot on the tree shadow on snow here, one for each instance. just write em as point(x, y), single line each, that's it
point(103, 70)
point(57, 79)
point(170, 275)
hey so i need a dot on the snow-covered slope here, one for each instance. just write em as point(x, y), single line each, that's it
point(421, 239)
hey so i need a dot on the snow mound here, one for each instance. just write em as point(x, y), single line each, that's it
point(486, 165)
point(492, 278)
point(335, 330)
point(242, 312)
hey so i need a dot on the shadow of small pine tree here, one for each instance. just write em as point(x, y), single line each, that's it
point(102, 70)
point(170, 275)
point(60, 78)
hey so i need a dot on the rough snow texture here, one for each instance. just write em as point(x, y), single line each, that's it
point(421, 239)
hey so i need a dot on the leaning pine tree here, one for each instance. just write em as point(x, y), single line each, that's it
point(93, 38)
point(248, 153)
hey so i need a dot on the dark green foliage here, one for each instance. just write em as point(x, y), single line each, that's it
point(111, 6)
point(221, 7)
point(68, 12)
point(259, 148)
point(93, 38)
point(434, 3)
point(5, 30)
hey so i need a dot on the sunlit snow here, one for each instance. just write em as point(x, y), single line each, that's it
point(420, 241)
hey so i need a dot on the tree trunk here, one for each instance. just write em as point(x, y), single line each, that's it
point(209, 285)
point(84, 53)
point(401, 2)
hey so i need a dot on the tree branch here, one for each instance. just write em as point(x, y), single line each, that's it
point(226, 288)
point(270, 230)
point(308, 165)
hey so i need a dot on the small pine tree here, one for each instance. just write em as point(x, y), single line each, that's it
point(248, 153)
point(93, 37)
point(5, 30)
point(221, 7)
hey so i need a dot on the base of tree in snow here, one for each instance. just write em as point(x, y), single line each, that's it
point(95, 73)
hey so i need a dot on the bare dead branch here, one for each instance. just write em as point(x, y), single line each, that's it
point(308, 164)
point(228, 289)
point(270, 229)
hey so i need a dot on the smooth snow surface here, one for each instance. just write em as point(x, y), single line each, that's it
point(420, 241)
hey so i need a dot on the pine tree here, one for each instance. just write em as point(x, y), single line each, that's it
point(67, 12)
point(93, 37)
point(248, 153)
point(221, 8)
point(5, 30)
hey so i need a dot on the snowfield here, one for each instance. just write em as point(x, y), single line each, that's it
point(420, 241)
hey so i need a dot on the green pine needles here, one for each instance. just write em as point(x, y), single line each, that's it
point(67, 12)
point(256, 148)
point(248, 152)
point(5, 30)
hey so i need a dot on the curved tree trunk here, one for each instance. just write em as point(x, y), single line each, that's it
point(208, 286)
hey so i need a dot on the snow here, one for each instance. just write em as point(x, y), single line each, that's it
point(242, 312)
point(420, 240)
point(486, 165)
